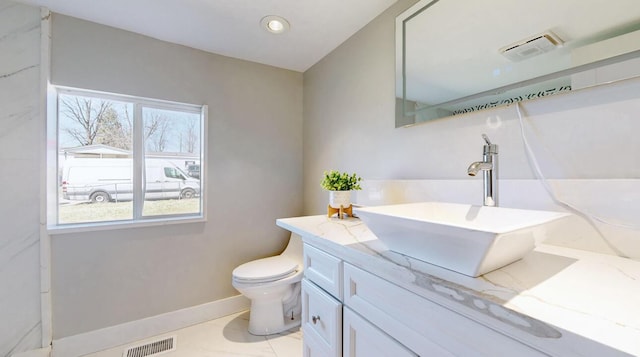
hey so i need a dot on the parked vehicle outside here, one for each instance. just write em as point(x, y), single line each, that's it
point(103, 180)
point(193, 170)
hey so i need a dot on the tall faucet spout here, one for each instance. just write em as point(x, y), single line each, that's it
point(489, 168)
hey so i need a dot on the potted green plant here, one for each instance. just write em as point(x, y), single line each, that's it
point(340, 185)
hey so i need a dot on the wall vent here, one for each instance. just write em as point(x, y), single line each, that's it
point(153, 348)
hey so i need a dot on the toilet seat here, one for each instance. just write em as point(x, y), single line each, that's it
point(265, 270)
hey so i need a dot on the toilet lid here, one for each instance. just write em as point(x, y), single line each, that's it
point(266, 269)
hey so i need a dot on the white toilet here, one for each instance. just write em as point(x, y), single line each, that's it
point(273, 286)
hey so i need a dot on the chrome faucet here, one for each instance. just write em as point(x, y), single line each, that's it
point(489, 168)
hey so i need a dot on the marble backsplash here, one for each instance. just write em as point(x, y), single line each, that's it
point(605, 211)
point(20, 145)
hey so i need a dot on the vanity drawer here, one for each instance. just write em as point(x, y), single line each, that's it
point(324, 270)
point(426, 328)
point(321, 321)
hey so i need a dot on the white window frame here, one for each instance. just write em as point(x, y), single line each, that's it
point(138, 219)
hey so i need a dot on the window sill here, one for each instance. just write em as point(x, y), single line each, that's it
point(114, 225)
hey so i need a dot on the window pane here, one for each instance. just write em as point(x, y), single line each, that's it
point(172, 162)
point(94, 159)
point(97, 172)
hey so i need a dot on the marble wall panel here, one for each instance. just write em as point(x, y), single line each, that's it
point(20, 128)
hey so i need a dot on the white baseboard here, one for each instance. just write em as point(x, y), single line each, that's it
point(129, 332)
point(42, 352)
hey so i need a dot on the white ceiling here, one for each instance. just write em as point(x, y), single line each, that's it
point(232, 27)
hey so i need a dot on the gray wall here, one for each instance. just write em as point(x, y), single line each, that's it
point(349, 125)
point(349, 110)
point(254, 175)
point(21, 133)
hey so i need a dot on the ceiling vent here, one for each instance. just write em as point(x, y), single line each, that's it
point(531, 47)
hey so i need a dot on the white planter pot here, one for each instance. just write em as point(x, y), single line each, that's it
point(339, 198)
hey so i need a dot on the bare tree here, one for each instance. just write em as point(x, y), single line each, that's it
point(193, 136)
point(126, 121)
point(151, 125)
point(85, 115)
point(156, 131)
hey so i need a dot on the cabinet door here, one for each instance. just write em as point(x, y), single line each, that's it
point(321, 322)
point(362, 339)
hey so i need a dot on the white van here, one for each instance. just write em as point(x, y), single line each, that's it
point(104, 180)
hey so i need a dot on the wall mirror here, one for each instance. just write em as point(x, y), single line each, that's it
point(458, 56)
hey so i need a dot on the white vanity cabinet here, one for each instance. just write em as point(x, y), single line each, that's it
point(328, 327)
point(349, 311)
point(368, 300)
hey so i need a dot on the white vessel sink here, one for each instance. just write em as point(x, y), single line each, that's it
point(472, 240)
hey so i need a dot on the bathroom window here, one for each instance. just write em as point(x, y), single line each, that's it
point(115, 159)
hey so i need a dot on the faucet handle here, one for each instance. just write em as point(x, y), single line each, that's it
point(486, 139)
point(489, 149)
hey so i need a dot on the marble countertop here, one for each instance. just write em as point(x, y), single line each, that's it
point(564, 302)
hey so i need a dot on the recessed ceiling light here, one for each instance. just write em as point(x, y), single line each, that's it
point(274, 24)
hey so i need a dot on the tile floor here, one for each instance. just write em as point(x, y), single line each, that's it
point(226, 336)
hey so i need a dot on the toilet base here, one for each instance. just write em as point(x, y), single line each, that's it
point(267, 318)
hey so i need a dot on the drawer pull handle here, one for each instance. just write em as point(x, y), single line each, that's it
point(315, 319)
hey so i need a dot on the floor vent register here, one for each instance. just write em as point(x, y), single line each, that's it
point(153, 348)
